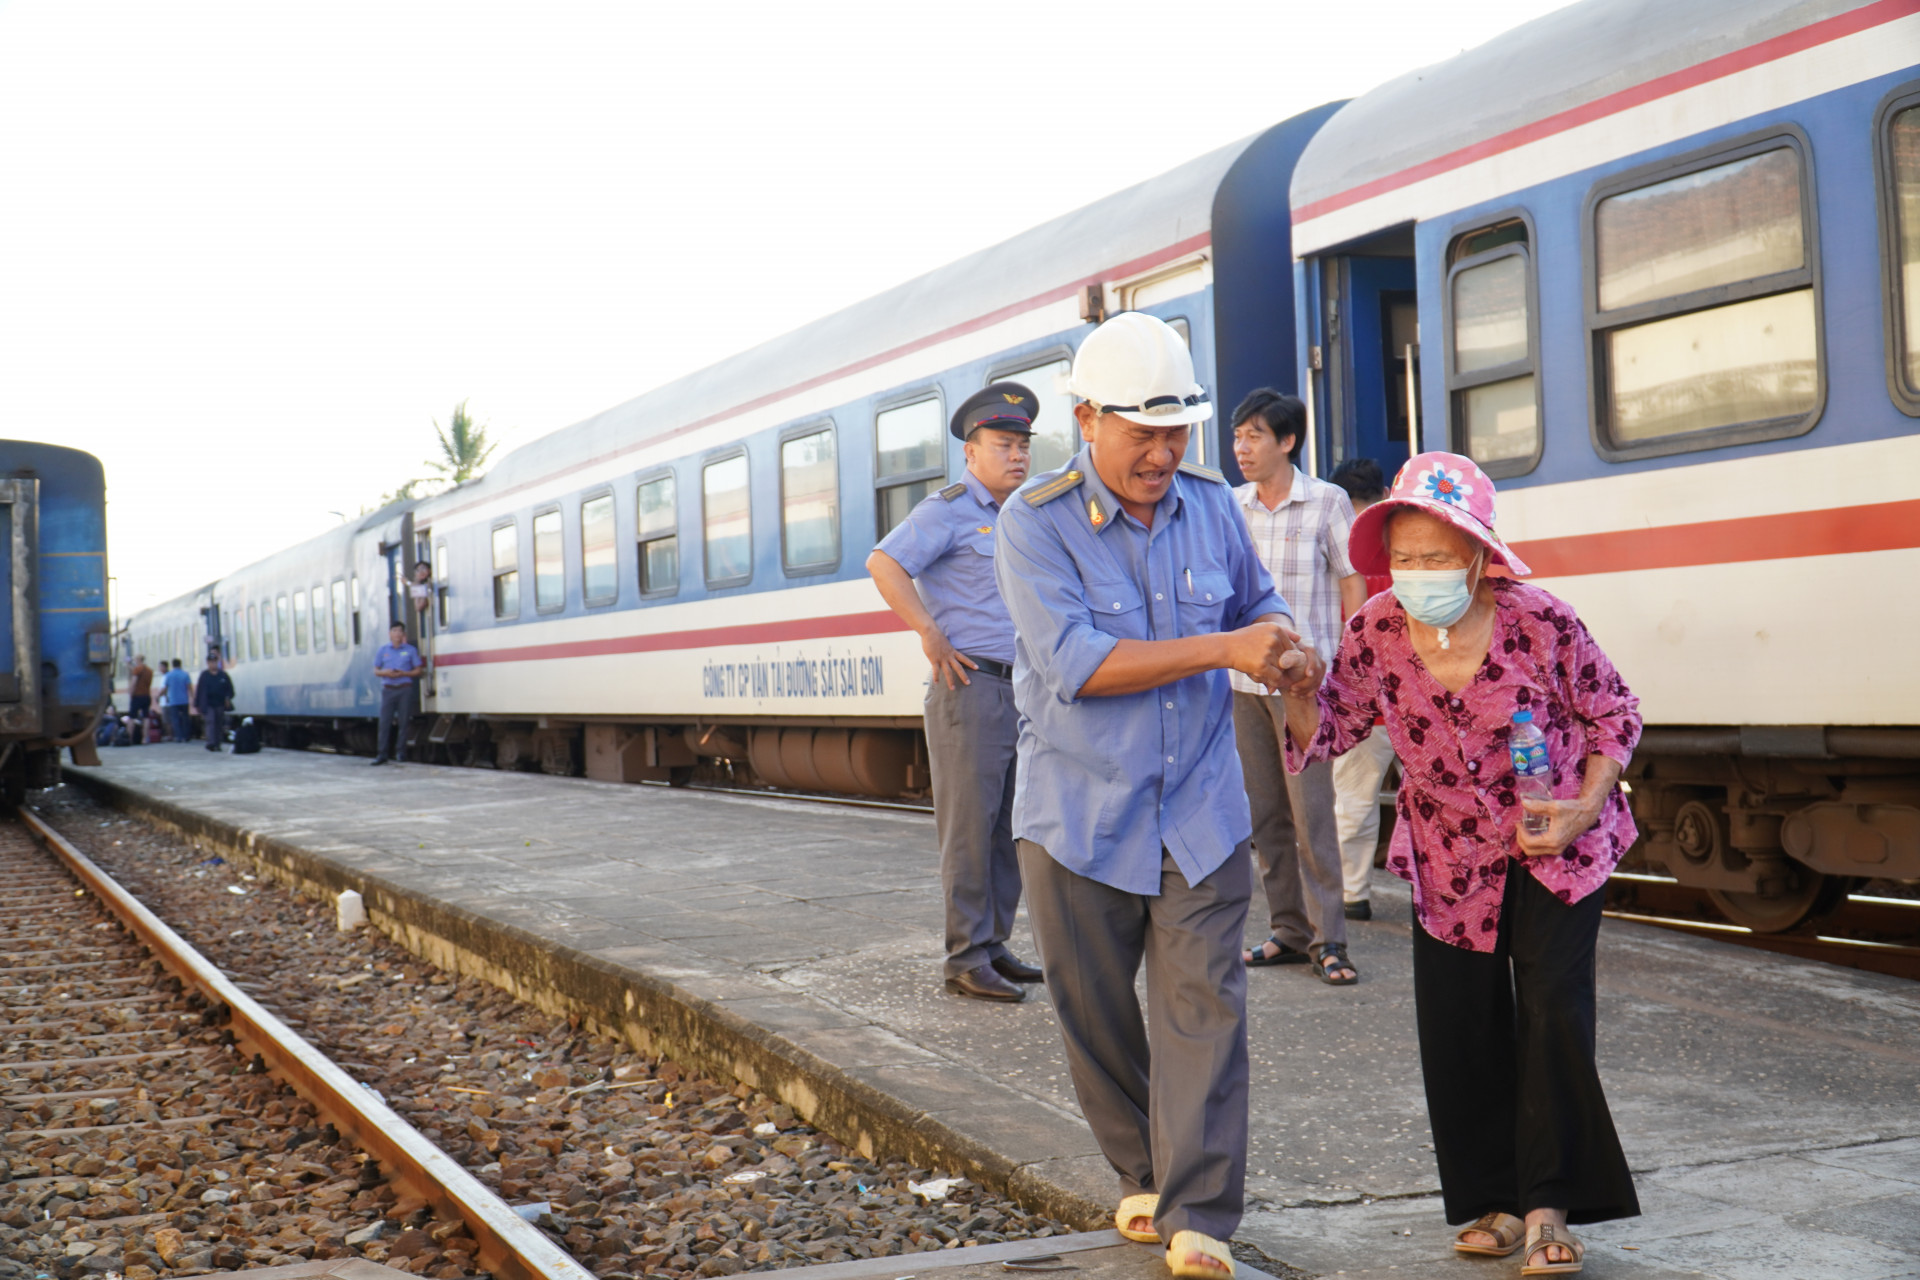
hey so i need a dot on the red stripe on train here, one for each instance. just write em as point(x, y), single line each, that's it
point(852, 624)
point(1811, 36)
point(1879, 526)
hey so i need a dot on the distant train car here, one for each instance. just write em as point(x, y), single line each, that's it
point(679, 581)
point(56, 647)
point(1665, 260)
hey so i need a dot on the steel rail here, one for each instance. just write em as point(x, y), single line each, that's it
point(509, 1246)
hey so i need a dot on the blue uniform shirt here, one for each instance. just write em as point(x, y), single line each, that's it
point(1105, 783)
point(179, 687)
point(397, 657)
point(947, 545)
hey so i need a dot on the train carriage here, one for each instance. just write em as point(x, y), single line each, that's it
point(1664, 261)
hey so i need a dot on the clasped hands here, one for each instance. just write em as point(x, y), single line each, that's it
point(1270, 654)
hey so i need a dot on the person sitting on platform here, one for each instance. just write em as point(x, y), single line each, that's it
point(1508, 918)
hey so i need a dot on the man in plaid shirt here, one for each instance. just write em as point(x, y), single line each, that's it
point(1299, 526)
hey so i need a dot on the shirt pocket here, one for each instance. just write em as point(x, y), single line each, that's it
point(1118, 609)
point(1204, 604)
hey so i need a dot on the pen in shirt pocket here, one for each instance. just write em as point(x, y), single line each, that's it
point(1189, 574)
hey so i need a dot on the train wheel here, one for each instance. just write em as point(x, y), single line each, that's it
point(680, 775)
point(1812, 893)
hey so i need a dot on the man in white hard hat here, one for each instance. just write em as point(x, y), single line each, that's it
point(1134, 589)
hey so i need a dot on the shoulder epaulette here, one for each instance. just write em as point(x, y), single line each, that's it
point(1041, 494)
point(953, 491)
point(1205, 473)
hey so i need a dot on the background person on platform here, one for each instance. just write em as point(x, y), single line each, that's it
point(1507, 919)
point(139, 695)
point(1133, 586)
point(1299, 526)
point(178, 686)
point(213, 698)
point(398, 664)
point(1358, 774)
point(946, 543)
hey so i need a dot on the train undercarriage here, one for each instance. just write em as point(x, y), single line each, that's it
point(1778, 824)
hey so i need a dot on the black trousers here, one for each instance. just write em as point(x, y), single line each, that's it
point(396, 718)
point(1506, 1046)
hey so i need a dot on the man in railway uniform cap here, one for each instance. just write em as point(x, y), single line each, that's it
point(1134, 588)
point(946, 544)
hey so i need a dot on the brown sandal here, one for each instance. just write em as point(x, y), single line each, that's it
point(1539, 1238)
point(1503, 1227)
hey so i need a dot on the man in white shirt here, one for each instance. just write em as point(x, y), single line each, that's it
point(1299, 526)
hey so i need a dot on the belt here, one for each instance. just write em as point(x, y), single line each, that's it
point(992, 668)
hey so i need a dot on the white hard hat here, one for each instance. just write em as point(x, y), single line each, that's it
point(1135, 365)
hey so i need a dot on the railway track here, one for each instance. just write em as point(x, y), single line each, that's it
point(1862, 931)
point(157, 1119)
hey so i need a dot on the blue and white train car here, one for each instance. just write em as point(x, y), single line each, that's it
point(1657, 268)
point(56, 644)
point(681, 577)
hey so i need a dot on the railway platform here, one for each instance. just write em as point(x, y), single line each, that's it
point(1770, 1106)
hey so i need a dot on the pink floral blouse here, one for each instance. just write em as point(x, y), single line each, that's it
point(1454, 839)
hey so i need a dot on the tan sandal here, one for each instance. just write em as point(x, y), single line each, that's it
point(1508, 1230)
point(1131, 1208)
point(1539, 1238)
point(1184, 1256)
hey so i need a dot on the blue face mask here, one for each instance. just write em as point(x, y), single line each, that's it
point(1437, 597)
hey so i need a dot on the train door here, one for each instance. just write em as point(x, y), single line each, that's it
point(424, 630)
point(19, 617)
point(1365, 357)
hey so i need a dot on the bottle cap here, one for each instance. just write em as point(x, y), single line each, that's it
point(1523, 717)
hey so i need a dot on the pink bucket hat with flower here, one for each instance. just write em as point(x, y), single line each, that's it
point(1441, 484)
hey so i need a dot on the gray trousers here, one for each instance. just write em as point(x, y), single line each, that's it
point(1294, 829)
point(215, 721)
point(1166, 1097)
point(972, 733)
point(396, 718)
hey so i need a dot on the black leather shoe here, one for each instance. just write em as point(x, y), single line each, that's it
point(982, 983)
point(1361, 910)
point(1014, 969)
point(378, 760)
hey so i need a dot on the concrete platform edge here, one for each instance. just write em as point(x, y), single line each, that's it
point(646, 1011)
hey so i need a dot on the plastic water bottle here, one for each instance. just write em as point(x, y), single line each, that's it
point(1532, 769)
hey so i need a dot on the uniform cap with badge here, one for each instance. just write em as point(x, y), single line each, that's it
point(1137, 366)
point(1004, 406)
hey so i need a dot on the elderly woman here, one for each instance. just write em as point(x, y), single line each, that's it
point(1503, 958)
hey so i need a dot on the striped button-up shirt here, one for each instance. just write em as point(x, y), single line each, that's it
point(1304, 546)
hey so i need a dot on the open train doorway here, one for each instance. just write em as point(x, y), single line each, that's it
point(1363, 353)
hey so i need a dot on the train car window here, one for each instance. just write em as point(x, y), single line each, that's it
point(809, 502)
point(1493, 393)
point(506, 571)
point(910, 459)
point(728, 520)
point(1055, 437)
point(549, 563)
point(267, 628)
point(319, 619)
point(340, 616)
point(253, 632)
point(1899, 161)
point(300, 622)
point(1703, 310)
point(658, 522)
point(599, 567)
point(440, 610)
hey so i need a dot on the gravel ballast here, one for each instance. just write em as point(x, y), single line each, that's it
point(644, 1166)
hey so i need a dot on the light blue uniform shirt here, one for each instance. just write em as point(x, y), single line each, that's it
point(947, 545)
point(179, 688)
point(1105, 783)
point(397, 657)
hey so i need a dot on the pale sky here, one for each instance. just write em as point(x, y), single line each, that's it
point(249, 252)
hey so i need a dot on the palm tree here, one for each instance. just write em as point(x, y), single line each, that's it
point(464, 448)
